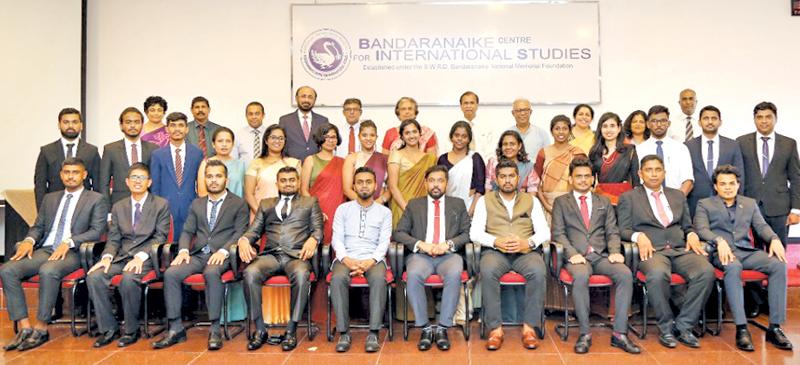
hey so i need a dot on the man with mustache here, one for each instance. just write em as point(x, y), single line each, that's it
point(46, 177)
point(201, 129)
point(120, 155)
point(300, 125)
point(673, 154)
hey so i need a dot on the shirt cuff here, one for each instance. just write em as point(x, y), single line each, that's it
point(795, 211)
point(108, 255)
point(183, 250)
point(416, 247)
point(533, 244)
point(635, 236)
point(141, 255)
point(224, 252)
point(71, 243)
point(29, 239)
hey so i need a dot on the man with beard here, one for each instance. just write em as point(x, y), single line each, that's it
point(120, 155)
point(511, 226)
point(201, 129)
point(674, 155)
point(293, 227)
point(48, 165)
point(214, 222)
point(301, 124)
point(361, 233)
point(434, 228)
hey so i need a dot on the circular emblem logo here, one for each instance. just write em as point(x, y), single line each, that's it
point(325, 54)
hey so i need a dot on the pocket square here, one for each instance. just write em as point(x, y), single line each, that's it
point(525, 215)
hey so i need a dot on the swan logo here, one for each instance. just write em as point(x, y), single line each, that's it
point(325, 54)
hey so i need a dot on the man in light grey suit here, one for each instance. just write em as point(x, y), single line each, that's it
point(592, 246)
point(136, 224)
point(300, 125)
point(66, 219)
point(120, 155)
point(214, 223)
point(725, 221)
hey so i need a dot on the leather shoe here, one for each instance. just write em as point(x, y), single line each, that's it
point(128, 339)
point(372, 344)
point(214, 341)
point(442, 342)
point(744, 341)
point(171, 338)
point(623, 342)
point(21, 336)
point(106, 338)
point(289, 341)
point(425, 339)
point(583, 343)
point(529, 340)
point(668, 340)
point(495, 340)
point(257, 341)
point(687, 338)
point(36, 339)
point(344, 343)
point(777, 338)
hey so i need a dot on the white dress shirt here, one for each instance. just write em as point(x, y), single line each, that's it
point(677, 161)
point(578, 196)
point(279, 206)
point(75, 141)
point(141, 254)
point(172, 149)
point(67, 234)
point(677, 128)
point(210, 206)
point(760, 146)
point(704, 150)
point(478, 232)
point(243, 148)
point(128, 149)
point(654, 207)
point(484, 138)
point(429, 226)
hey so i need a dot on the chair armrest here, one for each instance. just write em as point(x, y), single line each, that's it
point(157, 257)
point(89, 253)
point(469, 258)
point(326, 260)
point(710, 248)
point(236, 262)
point(397, 258)
point(168, 252)
point(476, 257)
point(315, 261)
point(557, 258)
point(627, 253)
point(546, 255)
point(634, 257)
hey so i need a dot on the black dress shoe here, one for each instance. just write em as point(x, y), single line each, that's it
point(128, 339)
point(623, 342)
point(106, 338)
point(289, 341)
point(344, 343)
point(214, 341)
point(583, 343)
point(258, 340)
point(425, 339)
point(171, 338)
point(668, 340)
point(372, 344)
point(442, 342)
point(36, 339)
point(21, 336)
point(687, 338)
point(744, 341)
point(777, 338)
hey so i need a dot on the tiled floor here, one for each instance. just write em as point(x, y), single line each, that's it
point(65, 349)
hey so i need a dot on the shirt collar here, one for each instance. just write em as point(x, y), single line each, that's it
point(291, 197)
point(128, 142)
point(76, 193)
point(578, 195)
point(182, 146)
point(650, 192)
point(222, 198)
point(705, 139)
point(144, 199)
point(64, 141)
point(514, 199)
point(430, 200)
point(771, 136)
point(300, 115)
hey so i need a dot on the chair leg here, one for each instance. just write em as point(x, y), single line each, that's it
point(146, 317)
point(720, 313)
point(72, 315)
point(328, 329)
point(390, 325)
point(405, 313)
point(466, 313)
point(565, 329)
point(645, 304)
point(225, 312)
point(310, 320)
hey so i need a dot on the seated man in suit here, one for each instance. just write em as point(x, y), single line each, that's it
point(725, 220)
point(66, 219)
point(510, 226)
point(214, 222)
point(293, 226)
point(434, 233)
point(658, 220)
point(136, 224)
point(362, 229)
point(120, 155)
point(592, 245)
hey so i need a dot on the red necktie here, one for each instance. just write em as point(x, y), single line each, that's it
point(134, 154)
point(662, 213)
point(306, 129)
point(585, 211)
point(436, 221)
point(351, 142)
point(201, 139)
point(178, 167)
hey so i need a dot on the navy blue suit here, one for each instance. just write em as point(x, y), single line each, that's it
point(729, 154)
point(165, 184)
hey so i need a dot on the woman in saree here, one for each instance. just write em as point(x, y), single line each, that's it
point(636, 127)
point(583, 136)
point(368, 156)
point(321, 177)
point(511, 147)
point(223, 142)
point(406, 109)
point(467, 172)
point(407, 167)
point(154, 130)
point(552, 164)
point(614, 162)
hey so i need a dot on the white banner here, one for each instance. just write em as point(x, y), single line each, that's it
point(434, 52)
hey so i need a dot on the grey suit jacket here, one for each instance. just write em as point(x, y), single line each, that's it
point(123, 241)
point(114, 165)
point(413, 224)
point(569, 230)
point(193, 136)
point(289, 235)
point(46, 176)
point(88, 219)
point(711, 220)
point(232, 218)
point(635, 215)
point(773, 193)
point(296, 144)
point(729, 153)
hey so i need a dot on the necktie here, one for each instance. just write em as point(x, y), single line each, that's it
point(660, 154)
point(351, 141)
point(178, 167)
point(285, 208)
point(764, 156)
point(710, 159)
point(201, 139)
point(137, 215)
point(69, 150)
point(306, 128)
point(436, 217)
point(689, 130)
point(62, 222)
point(212, 219)
point(585, 211)
point(256, 143)
point(134, 154)
point(662, 213)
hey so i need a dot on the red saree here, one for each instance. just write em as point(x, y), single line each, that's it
point(327, 188)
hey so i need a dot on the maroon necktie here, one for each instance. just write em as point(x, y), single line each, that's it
point(134, 154)
point(351, 142)
point(201, 139)
point(178, 167)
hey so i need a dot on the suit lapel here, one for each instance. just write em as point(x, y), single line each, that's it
point(576, 212)
point(171, 163)
point(79, 206)
point(52, 211)
point(220, 212)
point(648, 208)
point(595, 217)
point(739, 218)
point(677, 214)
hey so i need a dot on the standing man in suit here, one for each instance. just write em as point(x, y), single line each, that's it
point(674, 155)
point(771, 172)
point(434, 242)
point(66, 219)
point(174, 171)
point(592, 246)
point(300, 125)
point(120, 155)
point(250, 138)
point(137, 223)
point(683, 129)
point(725, 221)
point(214, 222)
point(708, 151)
point(293, 226)
point(657, 219)
point(510, 226)
point(201, 129)
point(46, 176)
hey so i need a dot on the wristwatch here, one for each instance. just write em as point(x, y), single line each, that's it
point(451, 246)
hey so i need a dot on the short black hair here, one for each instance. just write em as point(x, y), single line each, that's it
point(153, 100)
point(66, 111)
point(352, 101)
point(578, 108)
point(468, 93)
point(505, 164)
point(73, 161)
point(710, 108)
point(288, 170)
point(726, 169)
point(765, 105)
point(655, 109)
point(216, 163)
point(579, 161)
point(130, 109)
point(222, 129)
point(560, 118)
point(629, 122)
point(437, 168)
point(321, 131)
point(649, 158)
point(461, 124)
point(365, 170)
point(141, 166)
point(252, 103)
point(199, 99)
point(175, 116)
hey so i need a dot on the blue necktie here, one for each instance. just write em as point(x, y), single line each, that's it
point(212, 219)
point(137, 215)
point(710, 159)
point(764, 156)
point(62, 222)
point(660, 154)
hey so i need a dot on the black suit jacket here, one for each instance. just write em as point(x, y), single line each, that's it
point(413, 223)
point(88, 219)
point(287, 236)
point(296, 144)
point(114, 165)
point(123, 241)
point(774, 195)
point(232, 218)
point(569, 230)
point(46, 176)
point(729, 154)
point(635, 215)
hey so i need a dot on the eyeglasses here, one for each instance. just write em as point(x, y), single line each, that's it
point(138, 177)
point(277, 138)
point(521, 111)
